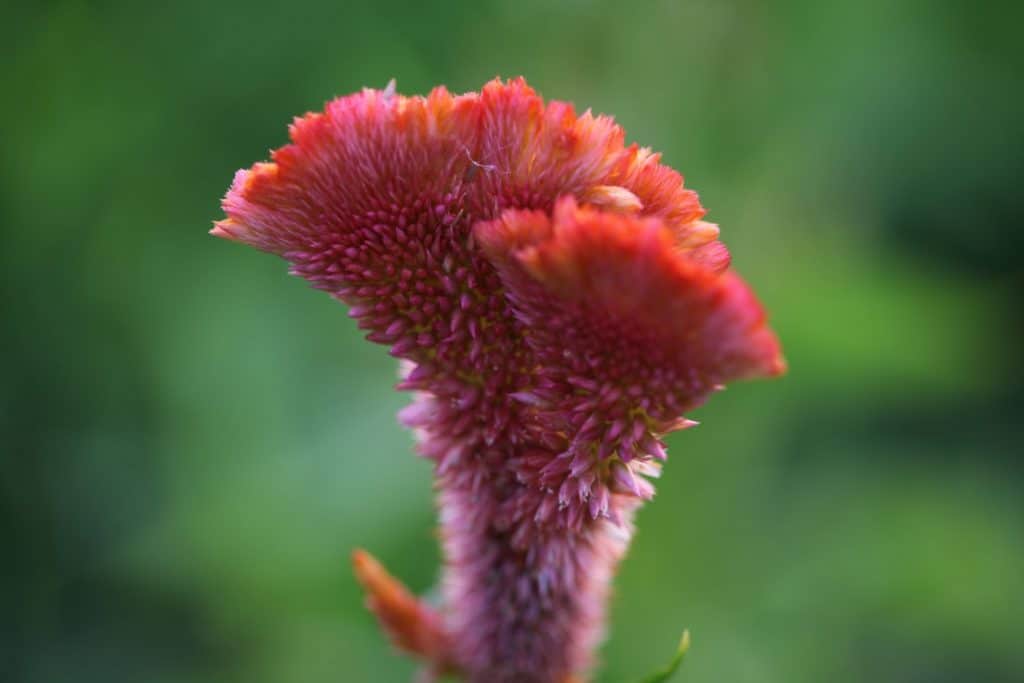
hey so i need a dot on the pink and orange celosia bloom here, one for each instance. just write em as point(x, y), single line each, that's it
point(558, 304)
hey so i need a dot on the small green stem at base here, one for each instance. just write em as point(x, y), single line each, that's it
point(670, 670)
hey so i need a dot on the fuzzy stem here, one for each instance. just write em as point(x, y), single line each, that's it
point(526, 603)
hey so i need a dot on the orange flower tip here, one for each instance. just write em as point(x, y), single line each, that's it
point(772, 363)
point(389, 90)
point(372, 575)
point(613, 198)
point(410, 624)
point(698, 234)
point(226, 229)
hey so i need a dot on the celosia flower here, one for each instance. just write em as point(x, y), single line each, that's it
point(559, 305)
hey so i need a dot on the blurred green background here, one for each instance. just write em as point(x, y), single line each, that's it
point(192, 441)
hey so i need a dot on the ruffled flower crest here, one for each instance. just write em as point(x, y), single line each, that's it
point(558, 302)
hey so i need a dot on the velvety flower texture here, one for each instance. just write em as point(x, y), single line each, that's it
point(558, 304)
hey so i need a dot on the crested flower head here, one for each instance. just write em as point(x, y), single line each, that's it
point(559, 303)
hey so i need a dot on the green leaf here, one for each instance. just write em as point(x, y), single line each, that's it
point(669, 671)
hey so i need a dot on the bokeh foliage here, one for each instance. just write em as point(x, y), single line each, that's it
point(193, 441)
